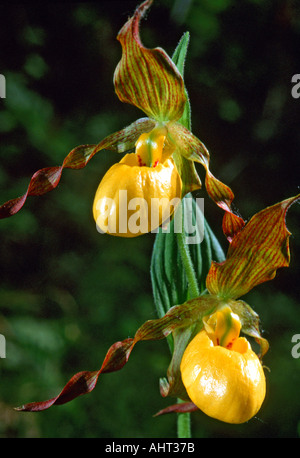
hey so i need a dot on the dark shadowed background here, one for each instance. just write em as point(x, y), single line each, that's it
point(66, 292)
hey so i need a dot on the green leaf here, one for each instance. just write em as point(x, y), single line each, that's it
point(186, 168)
point(178, 58)
point(180, 52)
point(169, 279)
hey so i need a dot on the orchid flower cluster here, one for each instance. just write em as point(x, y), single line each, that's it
point(213, 367)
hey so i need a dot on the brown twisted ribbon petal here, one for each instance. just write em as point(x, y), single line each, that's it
point(118, 354)
point(190, 147)
point(182, 407)
point(47, 179)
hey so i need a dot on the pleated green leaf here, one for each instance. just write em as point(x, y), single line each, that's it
point(169, 280)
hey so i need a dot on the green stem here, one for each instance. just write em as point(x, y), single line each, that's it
point(184, 419)
point(184, 425)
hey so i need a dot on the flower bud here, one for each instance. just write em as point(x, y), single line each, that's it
point(225, 382)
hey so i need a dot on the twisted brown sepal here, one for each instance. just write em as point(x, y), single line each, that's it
point(223, 196)
point(118, 354)
point(181, 320)
point(184, 407)
point(47, 179)
point(188, 146)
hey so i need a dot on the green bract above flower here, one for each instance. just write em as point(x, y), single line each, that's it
point(270, 234)
point(149, 80)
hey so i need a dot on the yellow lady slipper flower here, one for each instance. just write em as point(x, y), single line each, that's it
point(221, 373)
point(217, 371)
point(140, 192)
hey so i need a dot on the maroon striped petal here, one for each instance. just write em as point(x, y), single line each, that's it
point(148, 78)
point(254, 254)
point(46, 179)
point(223, 196)
point(184, 407)
point(191, 148)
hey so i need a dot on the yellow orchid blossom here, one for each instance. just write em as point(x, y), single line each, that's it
point(223, 376)
point(143, 179)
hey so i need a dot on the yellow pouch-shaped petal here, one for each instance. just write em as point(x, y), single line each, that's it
point(132, 200)
point(226, 384)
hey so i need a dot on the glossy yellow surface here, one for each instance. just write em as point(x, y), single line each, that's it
point(226, 383)
point(132, 200)
point(141, 192)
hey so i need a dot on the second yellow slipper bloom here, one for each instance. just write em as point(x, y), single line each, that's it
point(225, 382)
point(140, 192)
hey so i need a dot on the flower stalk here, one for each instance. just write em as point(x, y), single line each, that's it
point(184, 419)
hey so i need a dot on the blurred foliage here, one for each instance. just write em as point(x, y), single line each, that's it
point(67, 293)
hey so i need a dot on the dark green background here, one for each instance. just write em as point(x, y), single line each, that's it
point(67, 293)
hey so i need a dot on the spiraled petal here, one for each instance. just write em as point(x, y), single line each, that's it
point(118, 354)
point(191, 148)
point(46, 179)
